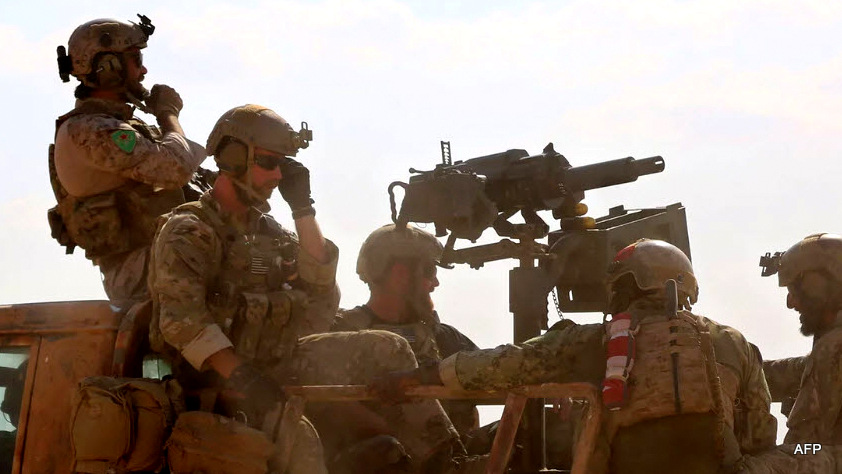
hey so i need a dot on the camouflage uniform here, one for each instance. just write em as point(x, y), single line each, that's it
point(817, 380)
point(431, 342)
point(209, 296)
point(577, 353)
point(113, 175)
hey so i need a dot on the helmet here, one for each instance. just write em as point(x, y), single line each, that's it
point(814, 252)
point(652, 263)
point(390, 242)
point(101, 36)
point(250, 126)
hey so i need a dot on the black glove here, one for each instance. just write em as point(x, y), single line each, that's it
point(260, 392)
point(295, 188)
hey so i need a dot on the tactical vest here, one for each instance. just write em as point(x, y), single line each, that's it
point(420, 335)
point(112, 222)
point(255, 298)
point(674, 410)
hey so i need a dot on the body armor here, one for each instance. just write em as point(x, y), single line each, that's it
point(113, 222)
point(675, 399)
point(256, 297)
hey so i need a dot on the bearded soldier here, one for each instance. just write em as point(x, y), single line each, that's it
point(399, 267)
point(685, 393)
point(112, 174)
point(233, 292)
point(811, 271)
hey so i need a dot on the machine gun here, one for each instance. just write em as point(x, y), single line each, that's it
point(469, 196)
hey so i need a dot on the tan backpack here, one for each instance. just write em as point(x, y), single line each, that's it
point(120, 425)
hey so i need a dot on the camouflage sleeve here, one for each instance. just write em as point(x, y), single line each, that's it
point(185, 253)
point(783, 376)
point(551, 357)
point(323, 291)
point(759, 428)
point(816, 412)
point(113, 145)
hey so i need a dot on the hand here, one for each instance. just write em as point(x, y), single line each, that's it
point(295, 185)
point(163, 101)
point(260, 393)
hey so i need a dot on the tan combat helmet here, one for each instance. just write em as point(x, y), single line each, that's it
point(821, 252)
point(250, 126)
point(388, 243)
point(652, 263)
point(103, 35)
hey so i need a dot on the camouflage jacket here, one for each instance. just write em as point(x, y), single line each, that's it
point(206, 296)
point(816, 415)
point(577, 353)
point(112, 176)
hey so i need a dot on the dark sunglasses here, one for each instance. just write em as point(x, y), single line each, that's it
point(135, 56)
point(269, 162)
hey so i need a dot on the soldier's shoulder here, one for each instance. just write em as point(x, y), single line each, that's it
point(730, 345)
point(829, 346)
point(186, 220)
point(354, 319)
point(93, 123)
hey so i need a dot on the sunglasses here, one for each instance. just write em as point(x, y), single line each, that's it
point(135, 56)
point(269, 162)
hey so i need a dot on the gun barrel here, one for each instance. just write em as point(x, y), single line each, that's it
point(610, 173)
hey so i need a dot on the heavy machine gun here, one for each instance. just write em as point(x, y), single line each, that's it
point(465, 198)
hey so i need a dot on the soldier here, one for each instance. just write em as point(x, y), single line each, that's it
point(399, 267)
point(666, 407)
point(232, 292)
point(811, 270)
point(112, 174)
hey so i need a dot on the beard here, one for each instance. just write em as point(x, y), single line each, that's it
point(812, 313)
point(420, 306)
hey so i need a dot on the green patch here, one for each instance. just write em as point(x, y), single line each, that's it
point(125, 139)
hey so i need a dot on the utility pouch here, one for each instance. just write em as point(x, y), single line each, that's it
point(213, 444)
point(95, 225)
point(281, 334)
point(248, 326)
point(120, 425)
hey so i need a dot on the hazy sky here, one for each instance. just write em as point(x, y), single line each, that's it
point(742, 99)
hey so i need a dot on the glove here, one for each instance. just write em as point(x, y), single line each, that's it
point(295, 188)
point(260, 392)
point(164, 100)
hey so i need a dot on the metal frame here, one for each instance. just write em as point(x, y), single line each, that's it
point(515, 401)
point(34, 345)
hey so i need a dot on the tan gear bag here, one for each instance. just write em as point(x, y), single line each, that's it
point(213, 444)
point(120, 425)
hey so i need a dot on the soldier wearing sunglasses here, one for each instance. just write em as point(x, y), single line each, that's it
point(238, 299)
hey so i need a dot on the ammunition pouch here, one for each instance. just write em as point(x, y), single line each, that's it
point(205, 442)
point(120, 425)
point(265, 330)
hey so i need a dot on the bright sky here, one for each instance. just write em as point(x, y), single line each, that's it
point(742, 99)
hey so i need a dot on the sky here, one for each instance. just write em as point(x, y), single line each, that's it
point(742, 99)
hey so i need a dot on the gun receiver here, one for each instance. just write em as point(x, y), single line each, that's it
point(468, 196)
